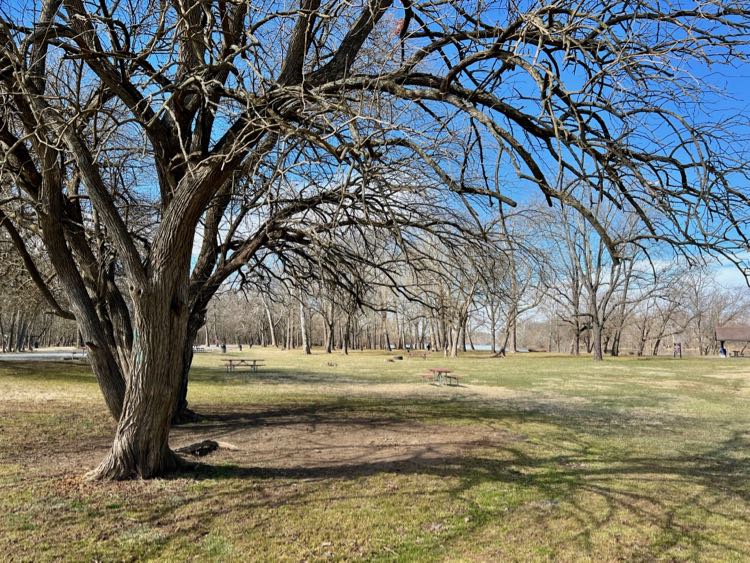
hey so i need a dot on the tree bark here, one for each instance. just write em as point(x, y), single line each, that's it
point(303, 326)
point(330, 336)
point(141, 448)
point(182, 413)
point(271, 328)
point(596, 341)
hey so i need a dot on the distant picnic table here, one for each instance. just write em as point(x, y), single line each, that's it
point(254, 364)
point(441, 376)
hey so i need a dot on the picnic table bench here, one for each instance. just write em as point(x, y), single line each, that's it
point(441, 376)
point(231, 365)
point(198, 349)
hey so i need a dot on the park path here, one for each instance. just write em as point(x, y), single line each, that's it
point(43, 356)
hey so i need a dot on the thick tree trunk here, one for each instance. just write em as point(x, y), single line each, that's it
point(596, 341)
point(141, 448)
point(615, 350)
point(21, 332)
point(330, 336)
point(504, 348)
point(183, 414)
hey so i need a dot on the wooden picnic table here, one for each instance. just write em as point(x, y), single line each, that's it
point(444, 376)
point(253, 364)
point(736, 353)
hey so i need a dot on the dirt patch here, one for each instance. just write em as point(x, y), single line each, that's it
point(310, 439)
point(396, 390)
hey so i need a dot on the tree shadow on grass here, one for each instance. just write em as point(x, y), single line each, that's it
point(600, 418)
point(277, 376)
point(673, 494)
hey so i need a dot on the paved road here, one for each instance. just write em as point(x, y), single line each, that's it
point(42, 356)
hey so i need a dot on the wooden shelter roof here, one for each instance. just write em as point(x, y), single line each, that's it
point(736, 333)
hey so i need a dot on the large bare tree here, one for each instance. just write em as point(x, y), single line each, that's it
point(158, 148)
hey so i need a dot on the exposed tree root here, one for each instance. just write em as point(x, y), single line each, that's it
point(186, 416)
point(116, 467)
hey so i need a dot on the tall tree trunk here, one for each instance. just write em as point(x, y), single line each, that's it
point(512, 327)
point(182, 413)
point(615, 350)
point(642, 340)
point(12, 332)
point(271, 328)
point(596, 341)
point(401, 327)
point(455, 341)
point(347, 334)
point(330, 336)
point(303, 326)
point(493, 330)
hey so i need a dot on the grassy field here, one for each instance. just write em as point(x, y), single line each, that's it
point(533, 457)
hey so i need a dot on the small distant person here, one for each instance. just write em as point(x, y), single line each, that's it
point(722, 352)
point(677, 352)
point(223, 348)
point(429, 346)
point(240, 346)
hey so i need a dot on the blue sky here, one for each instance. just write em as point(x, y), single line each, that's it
point(733, 81)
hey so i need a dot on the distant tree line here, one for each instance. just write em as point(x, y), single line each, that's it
point(547, 283)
